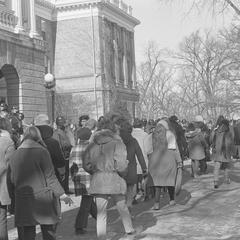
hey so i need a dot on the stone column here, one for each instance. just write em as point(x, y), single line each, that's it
point(17, 8)
point(116, 63)
point(134, 77)
point(33, 29)
point(125, 63)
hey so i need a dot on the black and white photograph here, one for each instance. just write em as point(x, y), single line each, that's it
point(119, 119)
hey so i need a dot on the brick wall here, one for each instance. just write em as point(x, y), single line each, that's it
point(73, 52)
point(74, 67)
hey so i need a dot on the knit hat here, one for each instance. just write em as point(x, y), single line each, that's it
point(199, 118)
point(60, 121)
point(41, 119)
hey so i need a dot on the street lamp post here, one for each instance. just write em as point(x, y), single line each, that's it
point(49, 83)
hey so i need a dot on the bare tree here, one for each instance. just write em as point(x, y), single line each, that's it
point(154, 83)
point(206, 82)
point(215, 6)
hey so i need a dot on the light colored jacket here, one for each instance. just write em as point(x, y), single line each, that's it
point(144, 142)
point(6, 150)
point(197, 146)
point(105, 158)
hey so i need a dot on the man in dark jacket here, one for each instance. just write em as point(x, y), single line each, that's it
point(60, 134)
point(42, 123)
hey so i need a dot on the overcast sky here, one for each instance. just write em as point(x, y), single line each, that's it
point(168, 24)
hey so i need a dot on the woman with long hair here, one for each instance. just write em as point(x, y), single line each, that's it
point(163, 162)
point(32, 183)
point(222, 147)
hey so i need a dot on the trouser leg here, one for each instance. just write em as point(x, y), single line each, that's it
point(195, 167)
point(157, 194)
point(216, 170)
point(3, 223)
point(49, 232)
point(131, 192)
point(238, 151)
point(171, 192)
point(203, 165)
point(26, 233)
point(66, 180)
point(84, 210)
point(226, 174)
point(93, 208)
point(101, 202)
point(124, 212)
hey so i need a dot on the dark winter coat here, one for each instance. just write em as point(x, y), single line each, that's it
point(65, 144)
point(33, 184)
point(133, 151)
point(54, 149)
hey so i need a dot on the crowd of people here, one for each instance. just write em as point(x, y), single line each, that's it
point(111, 157)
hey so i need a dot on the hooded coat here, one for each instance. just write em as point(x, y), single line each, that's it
point(104, 159)
point(197, 145)
point(6, 150)
point(33, 184)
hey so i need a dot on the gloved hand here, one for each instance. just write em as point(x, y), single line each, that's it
point(145, 173)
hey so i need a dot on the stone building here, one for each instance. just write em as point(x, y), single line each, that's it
point(87, 45)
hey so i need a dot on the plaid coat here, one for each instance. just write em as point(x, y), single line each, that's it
point(79, 176)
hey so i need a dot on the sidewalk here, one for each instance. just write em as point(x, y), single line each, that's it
point(201, 213)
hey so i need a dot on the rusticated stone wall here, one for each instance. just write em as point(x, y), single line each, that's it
point(22, 63)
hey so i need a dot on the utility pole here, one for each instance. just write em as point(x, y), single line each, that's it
point(94, 62)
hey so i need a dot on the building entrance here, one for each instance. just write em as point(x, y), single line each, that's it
point(9, 85)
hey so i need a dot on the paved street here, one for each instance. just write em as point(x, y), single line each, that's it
point(201, 213)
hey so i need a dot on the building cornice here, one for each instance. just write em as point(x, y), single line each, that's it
point(120, 12)
point(45, 4)
point(22, 40)
point(74, 4)
point(100, 8)
point(46, 13)
point(120, 17)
